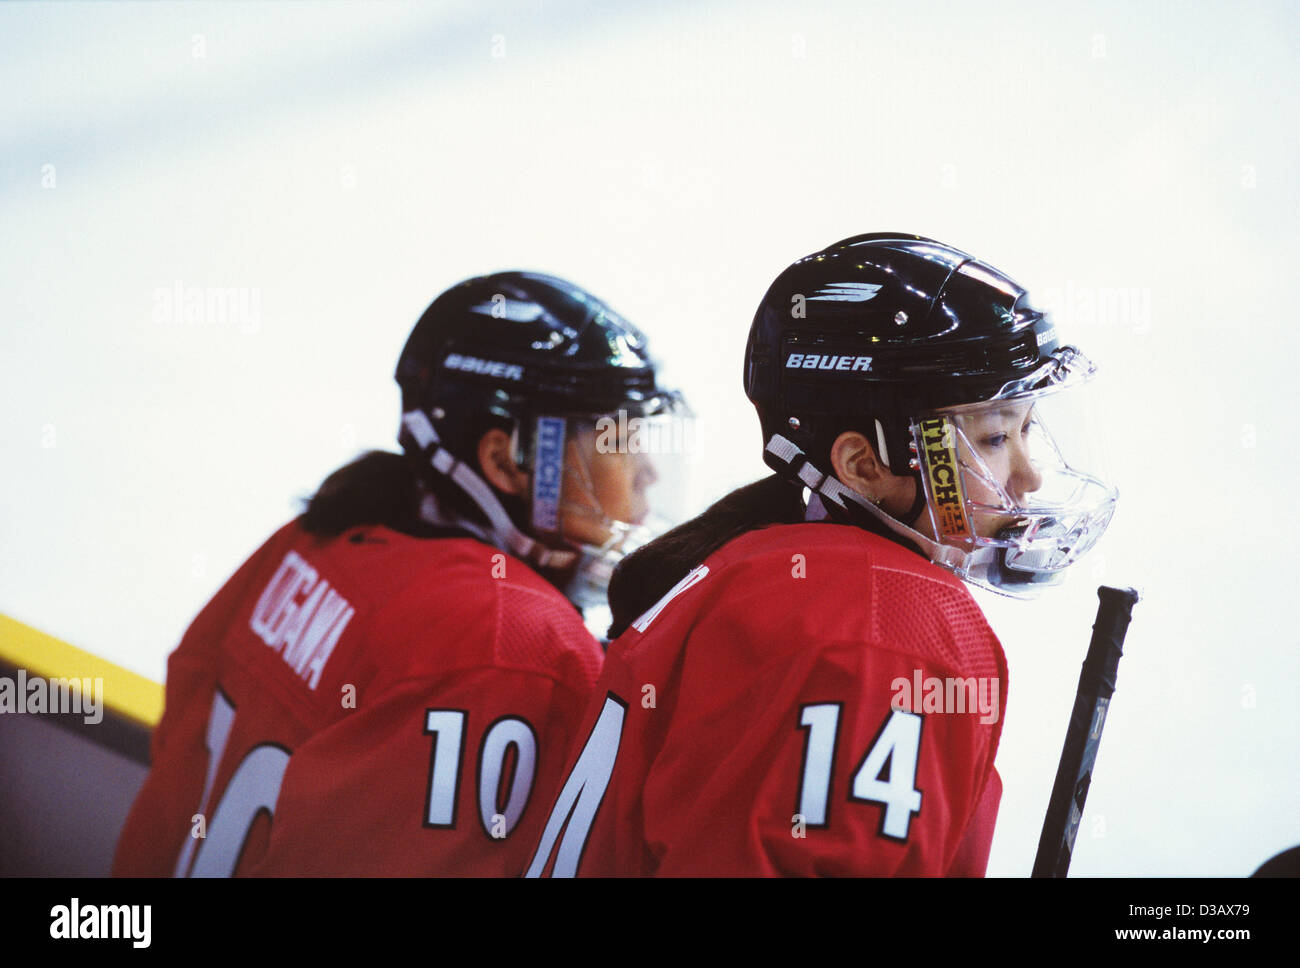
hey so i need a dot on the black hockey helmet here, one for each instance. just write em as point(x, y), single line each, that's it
point(535, 355)
point(519, 343)
point(884, 326)
point(903, 339)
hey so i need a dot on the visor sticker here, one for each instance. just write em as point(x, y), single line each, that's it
point(940, 447)
point(549, 473)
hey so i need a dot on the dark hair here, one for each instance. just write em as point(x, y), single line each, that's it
point(646, 575)
point(383, 488)
point(377, 488)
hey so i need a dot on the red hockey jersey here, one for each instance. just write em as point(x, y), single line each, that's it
point(813, 699)
point(371, 704)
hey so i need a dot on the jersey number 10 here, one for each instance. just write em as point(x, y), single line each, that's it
point(254, 787)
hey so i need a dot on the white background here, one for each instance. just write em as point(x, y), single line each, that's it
point(343, 163)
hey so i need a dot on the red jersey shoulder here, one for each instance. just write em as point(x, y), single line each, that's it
point(372, 606)
point(833, 556)
point(484, 608)
point(775, 668)
point(329, 649)
point(793, 586)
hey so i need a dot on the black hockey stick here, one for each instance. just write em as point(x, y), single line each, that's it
point(1091, 702)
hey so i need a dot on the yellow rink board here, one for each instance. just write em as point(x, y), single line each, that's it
point(125, 693)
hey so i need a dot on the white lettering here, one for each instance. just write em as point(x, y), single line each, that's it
point(303, 632)
point(56, 695)
point(932, 694)
point(472, 364)
point(121, 921)
point(815, 361)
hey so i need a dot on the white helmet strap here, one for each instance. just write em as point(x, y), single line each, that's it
point(830, 491)
point(503, 531)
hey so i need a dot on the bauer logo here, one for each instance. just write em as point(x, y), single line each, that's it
point(472, 364)
point(826, 361)
point(939, 440)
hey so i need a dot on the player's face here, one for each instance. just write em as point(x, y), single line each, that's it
point(1001, 439)
point(602, 484)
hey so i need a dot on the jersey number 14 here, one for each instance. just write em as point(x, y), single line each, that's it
point(886, 775)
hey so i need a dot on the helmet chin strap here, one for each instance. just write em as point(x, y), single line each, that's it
point(918, 504)
point(784, 456)
point(503, 533)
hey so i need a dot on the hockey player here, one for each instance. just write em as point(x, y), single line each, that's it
point(803, 683)
point(388, 686)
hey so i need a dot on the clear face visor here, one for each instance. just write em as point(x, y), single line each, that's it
point(1011, 493)
point(608, 484)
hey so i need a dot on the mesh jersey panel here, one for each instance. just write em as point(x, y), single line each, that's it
point(526, 636)
point(934, 620)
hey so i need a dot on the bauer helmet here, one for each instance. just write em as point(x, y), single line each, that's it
point(554, 367)
point(936, 358)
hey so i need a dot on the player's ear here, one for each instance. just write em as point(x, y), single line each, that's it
point(856, 465)
point(496, 461)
